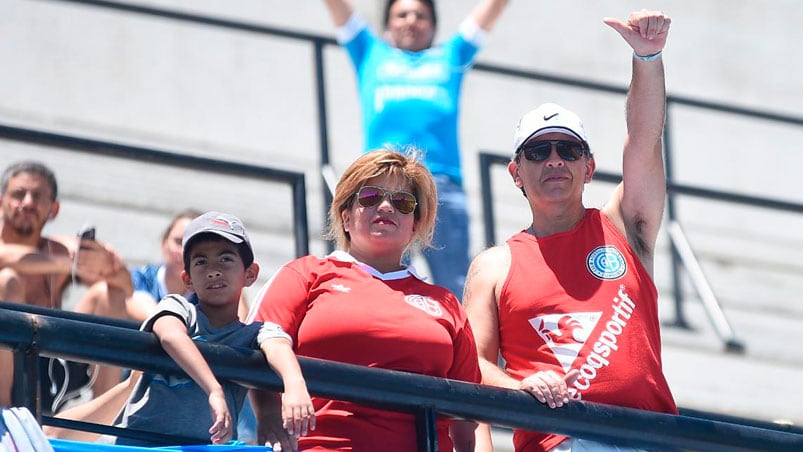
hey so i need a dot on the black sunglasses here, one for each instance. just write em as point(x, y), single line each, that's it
point(538, 151)
point(404, 202)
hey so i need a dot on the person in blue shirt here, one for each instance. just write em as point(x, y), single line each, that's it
point(152, 282)
point(410, 92)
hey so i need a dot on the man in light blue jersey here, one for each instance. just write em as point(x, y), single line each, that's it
point(410, 92)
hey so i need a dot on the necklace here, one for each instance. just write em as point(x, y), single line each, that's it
point(52, 294)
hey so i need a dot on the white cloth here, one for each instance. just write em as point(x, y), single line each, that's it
point(19, 431)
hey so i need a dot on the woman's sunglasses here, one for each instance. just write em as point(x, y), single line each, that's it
point(538, 151)
point(404, 202)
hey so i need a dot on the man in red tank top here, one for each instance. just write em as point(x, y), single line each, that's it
point(570, 301)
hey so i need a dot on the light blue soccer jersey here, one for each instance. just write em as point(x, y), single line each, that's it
point(412, 98)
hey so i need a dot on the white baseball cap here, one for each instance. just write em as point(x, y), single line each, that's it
point(548, 118)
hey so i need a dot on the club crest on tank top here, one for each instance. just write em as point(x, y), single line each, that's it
point(606, 262)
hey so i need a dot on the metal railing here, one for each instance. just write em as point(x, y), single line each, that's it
point(179, 160)
point(711, 306)
point(88, 338)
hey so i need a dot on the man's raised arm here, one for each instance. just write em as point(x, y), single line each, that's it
point(638, 202)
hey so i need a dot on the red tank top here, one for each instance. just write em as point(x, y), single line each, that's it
point(581, 299)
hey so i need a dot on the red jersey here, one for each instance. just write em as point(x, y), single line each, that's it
point(581, 299)
point(342, 310)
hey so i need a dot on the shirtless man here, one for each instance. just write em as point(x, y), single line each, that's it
point(36, 270)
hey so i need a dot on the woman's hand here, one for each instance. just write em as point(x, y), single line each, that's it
point(298, 414)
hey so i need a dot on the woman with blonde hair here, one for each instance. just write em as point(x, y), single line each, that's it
point(362, 305)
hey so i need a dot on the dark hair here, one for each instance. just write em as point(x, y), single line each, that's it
point(430, 3)
point(246, 255)
point(32, 167)
point(189, 214)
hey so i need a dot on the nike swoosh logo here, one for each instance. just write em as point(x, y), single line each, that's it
point(547, 118)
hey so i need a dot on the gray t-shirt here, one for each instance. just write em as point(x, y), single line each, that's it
point(176, 405)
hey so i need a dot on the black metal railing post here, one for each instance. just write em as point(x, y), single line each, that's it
point(26, 391)
point(426, 429)
point(488, 214)
point(301, 223)
point(323, 134)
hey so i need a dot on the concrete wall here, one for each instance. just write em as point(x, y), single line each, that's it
point(250, 98)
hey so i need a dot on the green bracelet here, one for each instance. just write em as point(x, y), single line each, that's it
point(652, 57)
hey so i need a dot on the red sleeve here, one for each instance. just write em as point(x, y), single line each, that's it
point(465, 365)
point(285, 298)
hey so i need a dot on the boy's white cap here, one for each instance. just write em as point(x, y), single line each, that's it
point(548, 118)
